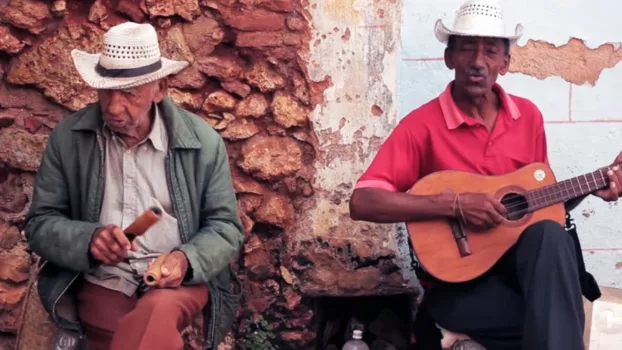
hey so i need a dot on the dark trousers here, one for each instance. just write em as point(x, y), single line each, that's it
point(531, 299)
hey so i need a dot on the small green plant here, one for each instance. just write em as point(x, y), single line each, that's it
point(258, 336)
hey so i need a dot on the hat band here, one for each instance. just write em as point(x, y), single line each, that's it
point(128, 72)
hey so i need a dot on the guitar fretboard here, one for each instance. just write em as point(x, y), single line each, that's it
point(568, 189)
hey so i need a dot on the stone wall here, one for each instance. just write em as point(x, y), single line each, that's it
point(247, 79)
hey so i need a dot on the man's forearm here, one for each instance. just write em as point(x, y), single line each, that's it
point(61, 241)
point(381, 206)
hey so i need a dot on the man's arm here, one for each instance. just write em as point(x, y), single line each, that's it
point(380, 195)
point(50, 232)
point(383, 206)
point(221, 235)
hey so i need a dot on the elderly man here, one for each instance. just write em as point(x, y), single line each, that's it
point(532, 298)
point(105, 165)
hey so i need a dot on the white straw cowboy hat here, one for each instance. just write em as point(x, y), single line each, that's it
point(131, 57)
point(482, 18)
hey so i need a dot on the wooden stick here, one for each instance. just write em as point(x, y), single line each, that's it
point(154, 272)
point(143, 223)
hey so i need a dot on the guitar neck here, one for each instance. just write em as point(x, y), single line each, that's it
point(568, 189)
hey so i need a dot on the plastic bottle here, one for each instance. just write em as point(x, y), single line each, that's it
point(356, 343)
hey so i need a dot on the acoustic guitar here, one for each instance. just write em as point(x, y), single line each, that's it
point(451, 253)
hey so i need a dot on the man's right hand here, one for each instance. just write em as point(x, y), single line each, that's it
point(110, 245)
point(480, 211)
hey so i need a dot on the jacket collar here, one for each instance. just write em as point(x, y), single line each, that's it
point(180, 135)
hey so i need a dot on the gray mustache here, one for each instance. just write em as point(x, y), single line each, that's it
point(476, 72)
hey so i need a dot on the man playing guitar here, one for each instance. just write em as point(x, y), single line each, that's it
point(531, 299)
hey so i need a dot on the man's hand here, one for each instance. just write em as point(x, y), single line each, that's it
point(109, 245)
point(173, 270)
point(614, 191)
point(479, 211)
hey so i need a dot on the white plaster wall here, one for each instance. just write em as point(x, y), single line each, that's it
point(584, 123)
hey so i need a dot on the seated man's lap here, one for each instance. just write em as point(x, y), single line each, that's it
point(101, 309)
point(488, 310)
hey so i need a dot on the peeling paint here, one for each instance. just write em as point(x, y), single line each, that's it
point(574, 61)
point(361, 60)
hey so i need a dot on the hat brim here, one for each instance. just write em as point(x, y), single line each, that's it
point(85, 64)
point(442, 33)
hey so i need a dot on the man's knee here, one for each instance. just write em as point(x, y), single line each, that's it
point(181, 302)
point(547, 235)
point(159, 301)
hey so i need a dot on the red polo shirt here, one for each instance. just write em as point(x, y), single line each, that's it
point(438, 136)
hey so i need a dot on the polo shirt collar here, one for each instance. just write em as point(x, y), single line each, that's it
point(454, 117)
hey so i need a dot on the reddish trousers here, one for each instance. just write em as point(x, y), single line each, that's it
point(112, 321)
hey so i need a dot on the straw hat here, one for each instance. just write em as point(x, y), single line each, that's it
point(131, 57)
point(482, 18)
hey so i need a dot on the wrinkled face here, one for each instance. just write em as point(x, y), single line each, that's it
point(124, 111)
point(478, 62)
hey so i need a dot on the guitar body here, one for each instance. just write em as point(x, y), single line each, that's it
point(434, 243)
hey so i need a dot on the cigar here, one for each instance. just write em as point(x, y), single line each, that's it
point(143, 223)
point(154, 273)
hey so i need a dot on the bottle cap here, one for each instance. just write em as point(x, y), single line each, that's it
point(357, 334)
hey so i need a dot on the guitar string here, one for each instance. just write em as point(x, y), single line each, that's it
point(518, 202)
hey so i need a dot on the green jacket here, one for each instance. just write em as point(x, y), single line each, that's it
point(67, 198)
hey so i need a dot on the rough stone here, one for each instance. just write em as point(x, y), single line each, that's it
point(132, 9)
point(203, 35)
point(9, 237)
point(236, 87)
point(8, 42)
point(259, 264)
point(247, 223)
point(260, 296)
point(219, 101)
point(279, 5)
point(270, 39)
point(270, 157)
point(12, 197)
point(249, 202)
point(16, 100)
point(296, 23)
point(59, 8)
point(287, 111)
point(25, 151)
point(185, 100)
point(276, 210)
point(14, 265)
point(301, 90)
point(189, 78)
point(98, 12)
point(186, 9)
point(50, 66)
point(292, 299)
point(223, 66)
point(26, 14)
point(10, 305)
point(263, 77)
point(244, 184)
point(255, 105)
point(254, 20)
point(240, 129)
point(173, 45)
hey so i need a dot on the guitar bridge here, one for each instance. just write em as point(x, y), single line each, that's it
point(460, 237)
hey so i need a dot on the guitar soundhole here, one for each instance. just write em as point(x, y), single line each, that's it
point(516, 204)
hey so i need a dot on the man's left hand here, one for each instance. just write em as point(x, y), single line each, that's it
point(173, 270)
point(614, 191)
